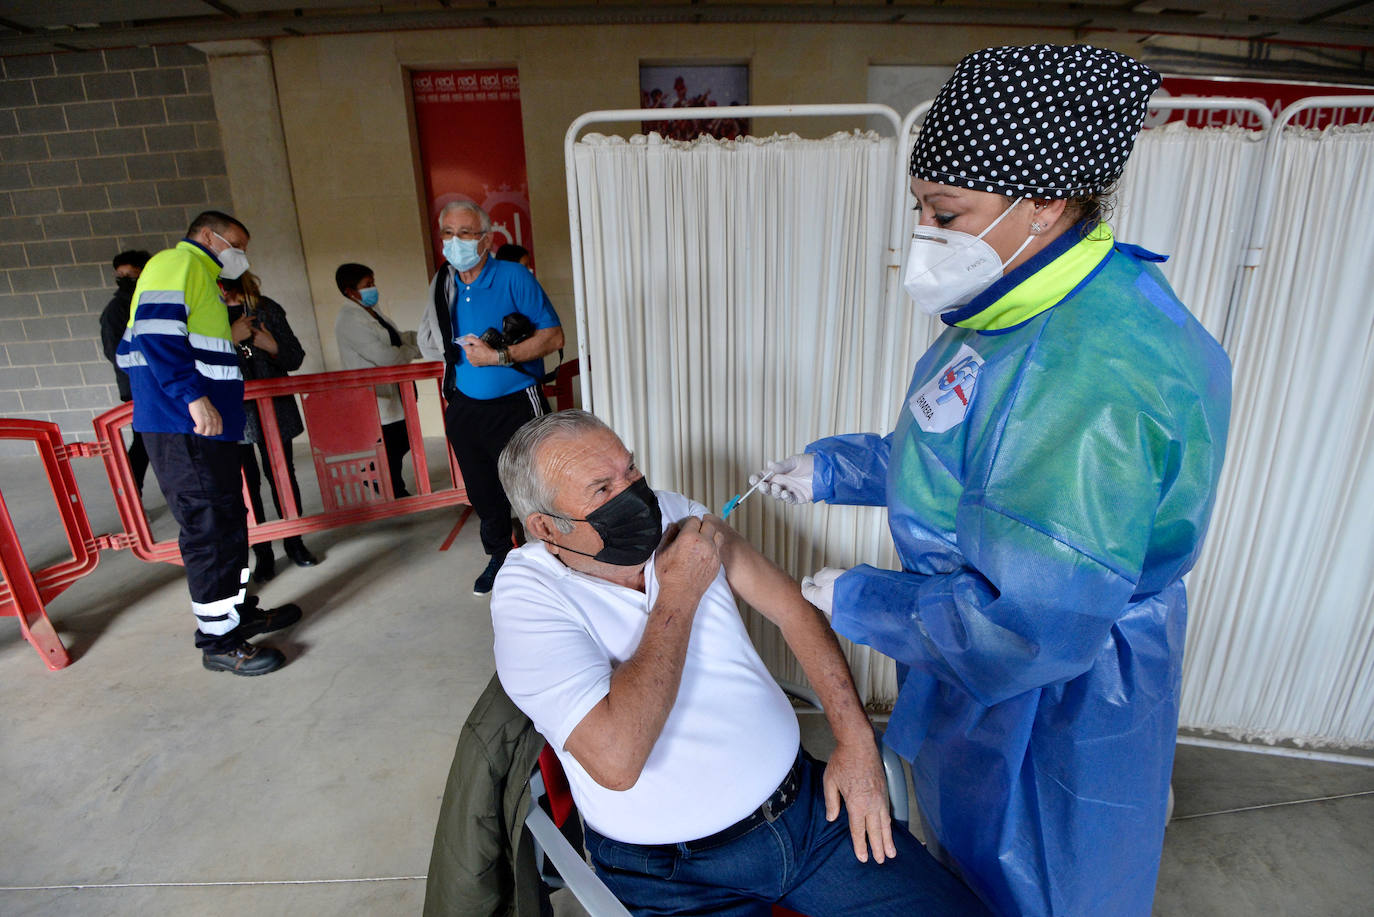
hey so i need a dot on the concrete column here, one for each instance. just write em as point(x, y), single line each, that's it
point(245, 92)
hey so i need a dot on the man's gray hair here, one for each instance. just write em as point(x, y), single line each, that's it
point(523, 479)
point(470, 207)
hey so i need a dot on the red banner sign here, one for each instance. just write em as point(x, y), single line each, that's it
point(472, 148)
point(1272, 94)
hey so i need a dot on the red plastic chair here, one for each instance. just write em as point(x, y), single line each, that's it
point(346, 443)
point(560, 390)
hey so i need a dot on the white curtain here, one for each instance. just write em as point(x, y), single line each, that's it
point(736, 310)
point(1189, 193)
point(1281, 636)
point(734, 314)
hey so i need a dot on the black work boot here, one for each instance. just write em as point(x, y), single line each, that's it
point(296, 550)
point(254, 620)
point(265, 565)
point(244, 659)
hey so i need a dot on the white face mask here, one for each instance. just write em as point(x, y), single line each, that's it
point(233, 262)
point(946, 268)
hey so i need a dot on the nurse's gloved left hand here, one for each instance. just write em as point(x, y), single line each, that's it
point(819, 588)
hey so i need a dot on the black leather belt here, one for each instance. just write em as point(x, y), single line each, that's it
point(769, 812)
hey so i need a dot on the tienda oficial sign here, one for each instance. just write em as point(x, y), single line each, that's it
point(1274, 95)
point(472, 148)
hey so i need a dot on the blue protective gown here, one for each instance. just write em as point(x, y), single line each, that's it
point(1048, 485)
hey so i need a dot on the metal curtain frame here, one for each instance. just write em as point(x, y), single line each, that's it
point(1239, 302)
point(1243, 293)
point(682, 114)
point(899, 216)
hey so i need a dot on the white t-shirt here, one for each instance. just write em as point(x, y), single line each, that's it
point(731, 736)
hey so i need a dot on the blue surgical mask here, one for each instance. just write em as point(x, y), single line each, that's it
point(369, 296)
point(462, 254)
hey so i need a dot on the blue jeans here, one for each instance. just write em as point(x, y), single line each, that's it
point(800, 861)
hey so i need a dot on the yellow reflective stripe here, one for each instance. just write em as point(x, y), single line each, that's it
point(1047, 286)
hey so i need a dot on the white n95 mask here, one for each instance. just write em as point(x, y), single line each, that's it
point(946, 268)
point(233, 261)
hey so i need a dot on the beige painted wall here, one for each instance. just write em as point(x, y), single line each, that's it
point(345, 114)
point(260, 181)
point(348, 132)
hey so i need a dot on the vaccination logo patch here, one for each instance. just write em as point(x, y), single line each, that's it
point(943, 401)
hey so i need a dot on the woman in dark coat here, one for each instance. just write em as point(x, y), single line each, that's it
point(268, 349)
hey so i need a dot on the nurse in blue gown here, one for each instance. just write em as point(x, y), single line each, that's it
point(1048, 483)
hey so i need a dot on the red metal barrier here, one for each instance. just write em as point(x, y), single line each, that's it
point(340, 414)
point(25, 593)
point(334, 430)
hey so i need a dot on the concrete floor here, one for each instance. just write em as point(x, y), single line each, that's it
point(135, 782)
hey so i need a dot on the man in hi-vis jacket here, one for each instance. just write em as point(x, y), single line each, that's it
point(188, 404)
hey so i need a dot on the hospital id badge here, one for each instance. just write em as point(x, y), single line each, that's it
point(943, 402)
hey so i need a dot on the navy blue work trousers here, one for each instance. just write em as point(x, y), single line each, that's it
point(200, 479)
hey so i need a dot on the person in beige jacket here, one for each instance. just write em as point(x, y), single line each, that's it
point(367, 337)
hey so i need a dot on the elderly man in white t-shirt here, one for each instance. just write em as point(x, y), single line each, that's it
point(617, 633)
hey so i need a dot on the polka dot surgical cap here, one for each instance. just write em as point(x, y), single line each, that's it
point(1041, 121)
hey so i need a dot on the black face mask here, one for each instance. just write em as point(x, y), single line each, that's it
point(630, 525)
point(126, 284)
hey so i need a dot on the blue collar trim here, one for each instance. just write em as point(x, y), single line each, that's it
point(213, 256)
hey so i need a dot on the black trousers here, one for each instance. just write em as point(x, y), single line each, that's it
point(254, 479)
point(138, 457)
point(200, 479)
point(478, 430)
point(138, 460)
point(397, 444)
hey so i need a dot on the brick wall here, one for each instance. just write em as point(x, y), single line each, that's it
point(99, 152)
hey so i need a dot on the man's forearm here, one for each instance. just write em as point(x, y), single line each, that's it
point(777, 597)
point(854, 775)
point(614, 741)
point(542, 343)
point(813, 643)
